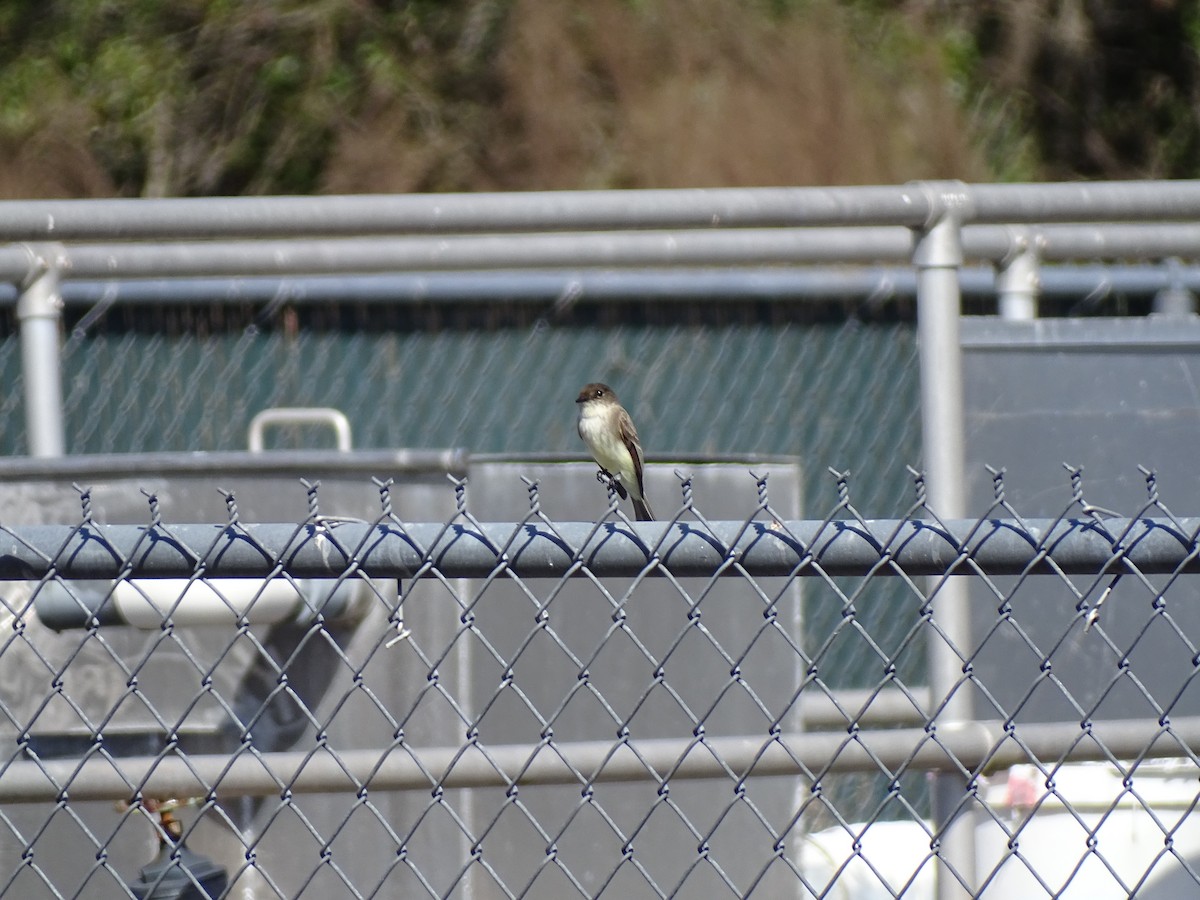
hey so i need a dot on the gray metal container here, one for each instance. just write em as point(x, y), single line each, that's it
point(1107, 396)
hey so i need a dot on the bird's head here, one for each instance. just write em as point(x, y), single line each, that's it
point(596, 391)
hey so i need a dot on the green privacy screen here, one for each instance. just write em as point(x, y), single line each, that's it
point(841, 394)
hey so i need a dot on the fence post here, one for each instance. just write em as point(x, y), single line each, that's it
point(937, 256)
point(1017, 278)
point(39, 309)
point(1175, 299)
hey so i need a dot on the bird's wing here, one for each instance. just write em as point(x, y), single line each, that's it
point(629, 437)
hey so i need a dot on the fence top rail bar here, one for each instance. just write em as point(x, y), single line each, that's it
point(585, 250)
point(538, 548)
point(879, 282)
point(915, 205)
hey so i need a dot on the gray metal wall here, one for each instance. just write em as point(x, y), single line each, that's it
point(1105, 396)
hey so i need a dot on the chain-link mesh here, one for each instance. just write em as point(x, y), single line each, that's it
point(551, 709)
point(492, 382)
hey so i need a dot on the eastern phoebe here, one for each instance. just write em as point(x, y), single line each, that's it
point(613, 441)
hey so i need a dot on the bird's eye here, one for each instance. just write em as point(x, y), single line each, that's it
point(599, 393)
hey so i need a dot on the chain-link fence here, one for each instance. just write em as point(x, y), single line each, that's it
point(375, 707)
point(503, 386)
point(771, 694)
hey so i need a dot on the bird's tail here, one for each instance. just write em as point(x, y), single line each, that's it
point(642, 510)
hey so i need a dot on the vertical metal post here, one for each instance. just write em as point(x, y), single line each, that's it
point(39, 309)
point(937, 255)
point(1017, 279)
point(1175, 299)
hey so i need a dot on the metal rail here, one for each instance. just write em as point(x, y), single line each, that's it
point(874, 283)
point(970, 750)
point(608, 249)
point(536, 550)
point(913, 205)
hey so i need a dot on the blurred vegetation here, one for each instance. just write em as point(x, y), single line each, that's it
point(1077, 88)
point(229, 97)
point(193, 97)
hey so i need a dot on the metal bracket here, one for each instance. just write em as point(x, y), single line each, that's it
point(39, 296)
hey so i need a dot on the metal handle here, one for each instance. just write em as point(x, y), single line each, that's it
point(299, 415)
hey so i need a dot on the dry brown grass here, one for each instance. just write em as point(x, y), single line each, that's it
point(678, 93)
point(380, 154)
point(51, 164)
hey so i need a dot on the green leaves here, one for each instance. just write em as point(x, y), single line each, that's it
point(223, 97)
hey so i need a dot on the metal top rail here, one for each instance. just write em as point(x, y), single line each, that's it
point(533, 549)
point(913, 205)
point(589, 250)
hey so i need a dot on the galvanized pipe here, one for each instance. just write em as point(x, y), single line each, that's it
point(968, 750)
point(877, 283)
point(909, 205)
point(440, 213)
point(39, 307)
point(937, 256)
point(299, 415)
point(1116, 201)
point(591, 250)
point(744, 247)
point(801, 549)
point(1018, 279)
point(187, 603)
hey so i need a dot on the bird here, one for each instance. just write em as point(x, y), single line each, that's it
point(606, 428)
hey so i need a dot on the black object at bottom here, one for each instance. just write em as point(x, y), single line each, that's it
point(177, 873)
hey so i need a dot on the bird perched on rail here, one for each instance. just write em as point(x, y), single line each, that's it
point(608, 431)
